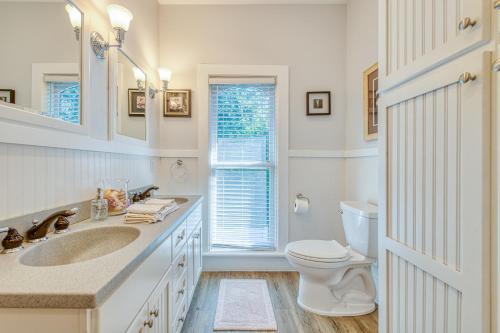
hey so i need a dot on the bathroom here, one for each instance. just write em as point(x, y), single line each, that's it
point(220, 165)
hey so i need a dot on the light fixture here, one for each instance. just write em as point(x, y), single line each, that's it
point(140, 77)
point(165, 77)
point(75, 17)
point(120, 18)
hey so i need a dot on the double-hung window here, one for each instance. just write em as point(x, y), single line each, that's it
point(243, 164)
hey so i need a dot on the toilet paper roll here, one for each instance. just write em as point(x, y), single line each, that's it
point(301, 206)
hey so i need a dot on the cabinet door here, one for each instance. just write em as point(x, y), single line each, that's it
point(156, 313)
point(418, 35)
point(139, 325)
point(191, 268)
point(197, 255)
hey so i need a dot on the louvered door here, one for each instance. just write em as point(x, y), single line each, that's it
point(434, 218)
point(418, 35)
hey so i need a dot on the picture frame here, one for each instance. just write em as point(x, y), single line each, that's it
point(370, 97)
point(136, 103)
point(8, 95)
point(177, 103)
point(318, 103)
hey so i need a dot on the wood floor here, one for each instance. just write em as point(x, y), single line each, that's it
point(283, 290)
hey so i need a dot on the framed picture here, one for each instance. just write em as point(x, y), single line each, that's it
point(177, 103)
point(370, 96)
point(8, 95)
point(318, 103)
point(136, 103)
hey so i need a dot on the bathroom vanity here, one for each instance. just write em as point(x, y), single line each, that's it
point(105, 277)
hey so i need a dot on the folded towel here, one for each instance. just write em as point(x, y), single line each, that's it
point(156, 201)
point(132, 217)
point(145, 209)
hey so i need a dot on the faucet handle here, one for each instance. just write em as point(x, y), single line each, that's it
point(13, 242)
point(35, 221)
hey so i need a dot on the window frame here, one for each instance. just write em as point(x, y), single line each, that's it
point(281, 75)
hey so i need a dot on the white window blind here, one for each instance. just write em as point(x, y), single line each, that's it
point(62, 100)
point(242, 125)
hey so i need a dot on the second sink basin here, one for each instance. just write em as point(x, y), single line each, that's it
point(80, 246)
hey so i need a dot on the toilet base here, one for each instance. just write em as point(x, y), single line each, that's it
point(342, 310)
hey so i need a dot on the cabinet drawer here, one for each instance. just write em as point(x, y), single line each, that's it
point(138, 325)
point(180, 317)
point(180, 264)
point(193, 219)
point(179, 238)
point(180, 292)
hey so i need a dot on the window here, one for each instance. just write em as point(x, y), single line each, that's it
point(62, 99)
point(243, 164)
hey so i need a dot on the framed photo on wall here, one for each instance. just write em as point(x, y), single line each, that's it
point(177, 103)
point(8, 95)
point(370, 96)
point(318, 103)
point(136, 103)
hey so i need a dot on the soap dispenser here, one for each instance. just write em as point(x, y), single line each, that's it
point(99, 207)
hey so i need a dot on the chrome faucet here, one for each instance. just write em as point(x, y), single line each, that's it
point(38, 232)
point(144, 194)
point(13, 242)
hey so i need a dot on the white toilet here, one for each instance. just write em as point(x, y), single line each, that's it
point(336, 280)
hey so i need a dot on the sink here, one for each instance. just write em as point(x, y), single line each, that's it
point(80, 246)
point(179, 200)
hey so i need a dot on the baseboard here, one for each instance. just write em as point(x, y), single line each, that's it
point(217, 262)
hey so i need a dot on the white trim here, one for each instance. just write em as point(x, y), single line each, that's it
point(368, 152)
point(281, 74)
point(246, 261)
point(172, 153)
point(252, 2)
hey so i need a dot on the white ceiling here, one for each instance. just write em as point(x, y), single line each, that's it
point(250, 2)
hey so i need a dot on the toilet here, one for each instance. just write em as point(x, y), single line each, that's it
point(336, 280)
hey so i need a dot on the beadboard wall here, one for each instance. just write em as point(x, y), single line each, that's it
point(34, 179)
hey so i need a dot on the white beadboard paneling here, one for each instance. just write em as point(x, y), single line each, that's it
point(40, 178)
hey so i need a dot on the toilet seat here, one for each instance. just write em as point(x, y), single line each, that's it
point(318, 251)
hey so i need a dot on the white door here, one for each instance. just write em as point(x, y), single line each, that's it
point(434, 221)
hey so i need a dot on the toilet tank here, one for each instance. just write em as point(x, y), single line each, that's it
point(360, 226)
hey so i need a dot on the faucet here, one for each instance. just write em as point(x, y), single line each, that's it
point(145, 194)
point(38, 232)
point(12, 242)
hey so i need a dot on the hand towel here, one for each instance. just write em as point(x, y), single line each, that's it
point(157, 201)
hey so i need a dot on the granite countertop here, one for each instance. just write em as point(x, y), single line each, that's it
point(85, 284)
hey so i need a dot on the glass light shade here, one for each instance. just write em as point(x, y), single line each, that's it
point(165, 74)
point(75, 17)
point(139, 75)
point(119, 16)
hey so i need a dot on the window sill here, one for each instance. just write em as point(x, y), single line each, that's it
point(245, 254)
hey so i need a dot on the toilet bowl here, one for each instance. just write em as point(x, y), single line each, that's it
point(336, 280)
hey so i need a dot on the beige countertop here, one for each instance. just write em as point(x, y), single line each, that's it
point(85, 284)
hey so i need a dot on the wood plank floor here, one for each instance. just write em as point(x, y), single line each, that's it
point(283, 290)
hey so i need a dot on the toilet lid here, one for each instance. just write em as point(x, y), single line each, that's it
point(318, 250)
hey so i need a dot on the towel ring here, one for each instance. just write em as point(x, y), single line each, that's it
point(178, 171)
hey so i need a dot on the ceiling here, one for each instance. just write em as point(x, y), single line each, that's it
point(250, 2)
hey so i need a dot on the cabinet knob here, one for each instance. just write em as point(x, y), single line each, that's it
point(466, 77)
point(496, 4)
point(466, 23)
point(181, 291)
point(155, 313)
point(149, 323)
point(496, 64)
point(181, 264)
point(181, 319)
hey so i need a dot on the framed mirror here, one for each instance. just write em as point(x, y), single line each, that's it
point(129, 102)
point(41, 62)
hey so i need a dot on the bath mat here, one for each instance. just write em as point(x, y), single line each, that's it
point(244, 305)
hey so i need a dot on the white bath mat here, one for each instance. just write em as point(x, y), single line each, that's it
point(244, 305)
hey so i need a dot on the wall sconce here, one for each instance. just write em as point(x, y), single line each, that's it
point(140, 77)
point(120, 18)
point(75, 17)
point(165, 77)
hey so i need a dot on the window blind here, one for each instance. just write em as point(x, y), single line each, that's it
point(63, 100)
point(242, 196)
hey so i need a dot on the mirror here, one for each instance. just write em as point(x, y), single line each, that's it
point(131, 98)
point(40, 61)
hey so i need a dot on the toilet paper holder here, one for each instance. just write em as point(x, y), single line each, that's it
point(301, 196)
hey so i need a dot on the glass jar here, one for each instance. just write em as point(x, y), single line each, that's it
point(116, 193)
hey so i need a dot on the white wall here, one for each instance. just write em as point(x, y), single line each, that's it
point(311, 41)
point(38, 178)
point(361, 48)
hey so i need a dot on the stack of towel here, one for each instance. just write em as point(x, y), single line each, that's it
point(152, 211)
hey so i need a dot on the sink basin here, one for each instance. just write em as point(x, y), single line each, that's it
point(179, 200)
point(80, 246)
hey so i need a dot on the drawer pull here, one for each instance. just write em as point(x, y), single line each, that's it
point(149, 323)
point(181, 264)
point(466, 77)
point(466, 23)
point(181, 319)
point(181, 291)
point(154, 313)
point(496, 64)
